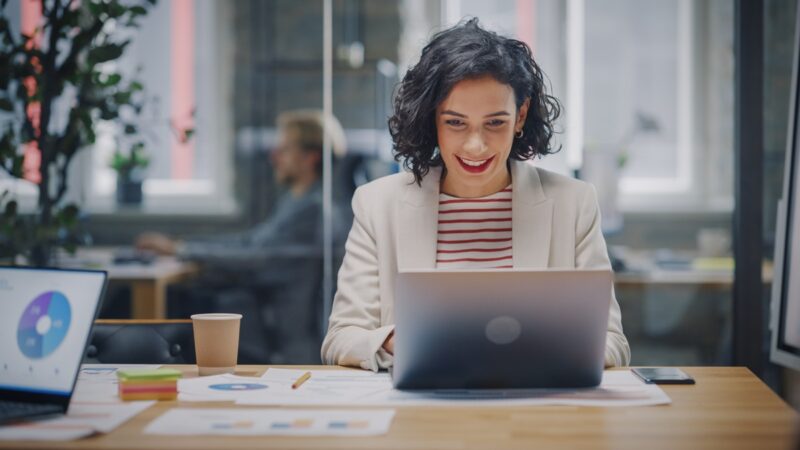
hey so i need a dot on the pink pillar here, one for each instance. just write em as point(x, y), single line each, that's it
point(31, 17)
point(182, 83)
point(526, 22)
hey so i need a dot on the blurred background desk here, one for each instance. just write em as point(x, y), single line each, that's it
point(148, 280)
point(677, 268)
point(677, 307)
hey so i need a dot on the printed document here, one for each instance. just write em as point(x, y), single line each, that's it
point(271, 422)
point(354, 387)
point(83, 419)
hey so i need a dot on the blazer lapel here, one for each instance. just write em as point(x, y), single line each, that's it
point(531, 218)
point(417, 222)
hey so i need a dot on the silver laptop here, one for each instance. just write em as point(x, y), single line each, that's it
point(46, 316)
point(500, 328)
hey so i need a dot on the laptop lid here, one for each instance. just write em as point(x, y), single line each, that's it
point(46, 316)
point(501, 328)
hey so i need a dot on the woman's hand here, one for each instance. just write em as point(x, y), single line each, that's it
point(388, 344)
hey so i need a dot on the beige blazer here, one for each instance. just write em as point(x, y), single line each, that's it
point(555, 223)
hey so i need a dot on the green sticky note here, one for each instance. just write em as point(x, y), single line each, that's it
point(149, 374)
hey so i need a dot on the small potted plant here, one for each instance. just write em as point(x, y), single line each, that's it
point(130, 169)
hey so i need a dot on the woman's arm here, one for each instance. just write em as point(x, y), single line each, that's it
point(591, 253)
point(355, 336)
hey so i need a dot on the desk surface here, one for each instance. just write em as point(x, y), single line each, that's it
point(163, 268)
point(728, 408)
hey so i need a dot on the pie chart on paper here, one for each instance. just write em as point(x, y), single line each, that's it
point(44, 325)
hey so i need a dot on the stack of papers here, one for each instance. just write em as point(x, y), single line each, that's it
point(353, 387)
point(358, 387)
point(94, 408)
point(82, 419)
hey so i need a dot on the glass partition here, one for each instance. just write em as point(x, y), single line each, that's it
point(262, 65)
point(258, 193)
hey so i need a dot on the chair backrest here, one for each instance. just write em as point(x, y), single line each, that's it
point(141, 342)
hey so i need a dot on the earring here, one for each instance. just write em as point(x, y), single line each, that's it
point(519, 134)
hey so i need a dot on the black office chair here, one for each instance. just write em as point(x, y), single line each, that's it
point(290, 309)
point(141, 342)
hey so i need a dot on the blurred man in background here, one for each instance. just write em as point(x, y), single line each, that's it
point(296, 221)
point(271, 273)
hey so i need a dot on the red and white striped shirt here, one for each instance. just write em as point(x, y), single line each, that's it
point(474, 233)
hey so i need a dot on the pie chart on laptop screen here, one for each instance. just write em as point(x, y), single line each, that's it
point(43, 325)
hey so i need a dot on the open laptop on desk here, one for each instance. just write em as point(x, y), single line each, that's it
point(46, 316)
point(500, 328)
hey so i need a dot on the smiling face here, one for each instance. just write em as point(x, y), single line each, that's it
point(475, 126)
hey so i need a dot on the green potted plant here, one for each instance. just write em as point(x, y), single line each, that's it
point(60, 69)
point(131, 165)
point(130, 169)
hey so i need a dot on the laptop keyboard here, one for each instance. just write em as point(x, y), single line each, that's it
point(16, 410)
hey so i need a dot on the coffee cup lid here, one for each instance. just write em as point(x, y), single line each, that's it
point(216, 316)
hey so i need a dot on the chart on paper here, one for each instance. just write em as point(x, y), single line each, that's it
point(255, 422)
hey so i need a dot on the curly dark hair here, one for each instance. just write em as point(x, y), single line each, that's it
point(467, 51)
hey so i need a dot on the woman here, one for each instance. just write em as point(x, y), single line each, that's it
point(466, 119)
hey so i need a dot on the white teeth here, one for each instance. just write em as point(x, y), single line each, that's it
point(473, 163)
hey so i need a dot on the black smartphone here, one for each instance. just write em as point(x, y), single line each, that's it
point(663, 375)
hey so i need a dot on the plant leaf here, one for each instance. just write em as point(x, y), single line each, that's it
point(115, 9)
point(122, 97)
point(105, 53)
point(68, 215)
point(111, 80)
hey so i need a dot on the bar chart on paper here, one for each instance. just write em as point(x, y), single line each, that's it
point(262, 422)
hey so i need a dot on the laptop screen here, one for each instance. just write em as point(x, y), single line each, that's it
point(45, 319)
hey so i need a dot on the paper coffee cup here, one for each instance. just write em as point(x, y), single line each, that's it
point(216, 342)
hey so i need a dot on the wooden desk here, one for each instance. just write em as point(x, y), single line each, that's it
point(728, 408)
point(148, 282)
